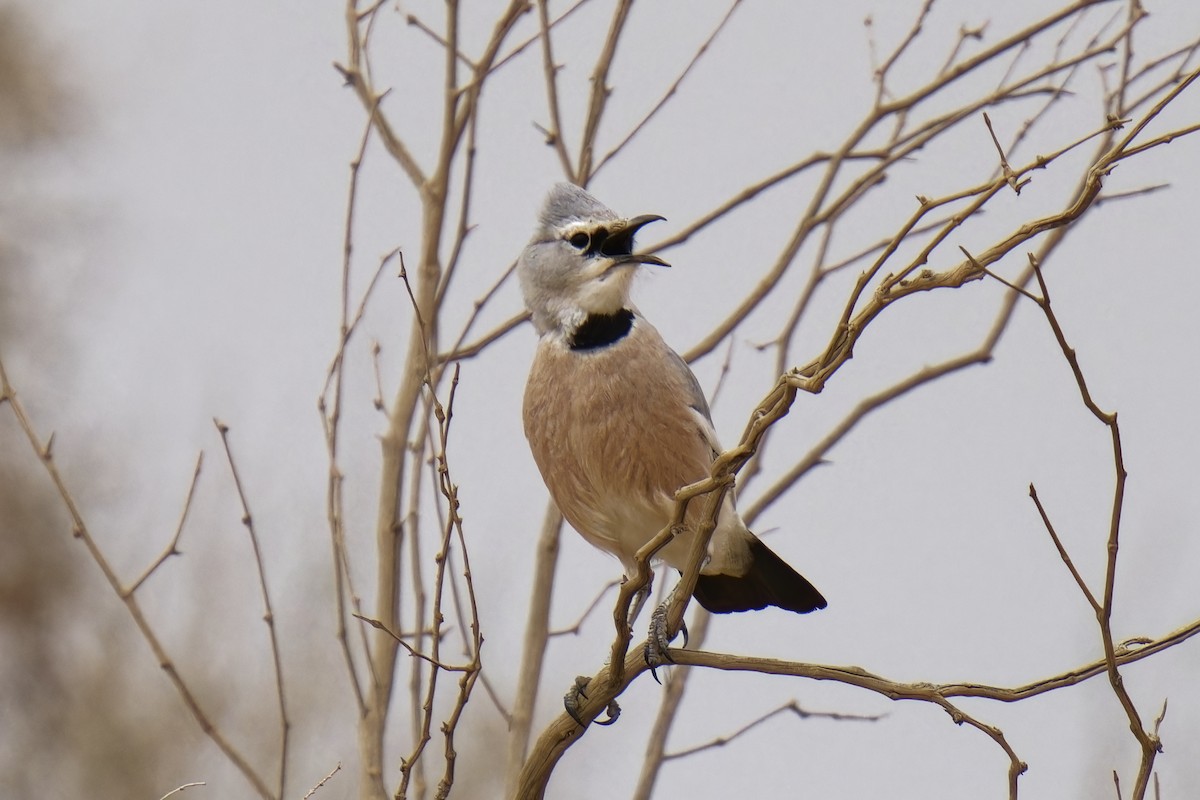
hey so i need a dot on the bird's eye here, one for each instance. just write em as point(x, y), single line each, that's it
point(579, 241)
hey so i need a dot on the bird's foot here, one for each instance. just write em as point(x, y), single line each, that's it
point(571, 702)
point(658, 643)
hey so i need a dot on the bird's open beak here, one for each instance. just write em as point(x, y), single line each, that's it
point(619, 244)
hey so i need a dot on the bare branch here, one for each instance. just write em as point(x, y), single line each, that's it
point(269, 613)
point(1062, 551)
point(179, 789)
point(598, 98)
point(792, 707)
point(173, 546)
point(79, 529)
point(554, 134)
point(1149, 742)
point(332, 772)
point(357, 77)
point(670, 91)
point(573, 628)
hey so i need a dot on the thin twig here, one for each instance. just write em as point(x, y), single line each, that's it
point(670, 93)
point(268, 613)
point(792, 707)
point(598, 97)
point(1062, 551)
point(1149, 741)
point(329, 404)
point(179, 789)
point(322, 782)
point(80, 530)
point(554, 134)
point(573, 628)
point(172, 548)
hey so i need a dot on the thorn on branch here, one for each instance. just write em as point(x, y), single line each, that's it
point(1009, 175)
point(349, 76)
point(975, 33)
point(1129, 645)
point(551, 136)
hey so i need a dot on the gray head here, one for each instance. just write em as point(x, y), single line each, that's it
point(580, 260)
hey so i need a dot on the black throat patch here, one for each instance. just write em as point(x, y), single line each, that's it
point(601, 330)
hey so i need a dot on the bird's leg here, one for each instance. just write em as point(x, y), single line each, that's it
point(579, 690)
point(658, 642)
point(639, 599)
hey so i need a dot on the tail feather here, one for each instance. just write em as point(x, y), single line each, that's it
point(768, 582)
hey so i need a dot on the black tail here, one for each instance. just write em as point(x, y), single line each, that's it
point(770, 582)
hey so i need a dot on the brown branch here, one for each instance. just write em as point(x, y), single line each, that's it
point(823, 209)
point(914, 31)
point(896, 690)
point(792, 707)
point(460, 351)
point(856, 676)
point(564, 731)
point(463, 228)
point(598, 97)
point(331, 773)
point(533, 647)
point(1149, 742)
point(357, 76)
point(559, 734)
point(1062, 551)
point(1015, 766)
point(329, 404)
point(80, 530)
point(668, 708)
point(462, 104)
point(1005, 169)
point(520, 48)
point(965, 33)
point(554, 134)
point(573, 628)
point(400, 639)
point(863, 409)
point(268, 611)
point(468, 636)
point(670, 93)
point(179, 789)
point(454, 528)
point(172, 548)
point(415, 21)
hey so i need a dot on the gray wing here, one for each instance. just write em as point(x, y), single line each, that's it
point(696, 401)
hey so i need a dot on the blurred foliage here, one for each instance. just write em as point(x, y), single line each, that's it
point(75, 722)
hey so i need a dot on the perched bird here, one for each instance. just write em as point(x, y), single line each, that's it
point(616, 420)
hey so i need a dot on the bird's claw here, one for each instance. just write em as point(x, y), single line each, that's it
point(579, 690)
point(612, 710)
point(657, 651)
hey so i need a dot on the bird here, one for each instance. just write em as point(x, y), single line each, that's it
point(616, 420)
